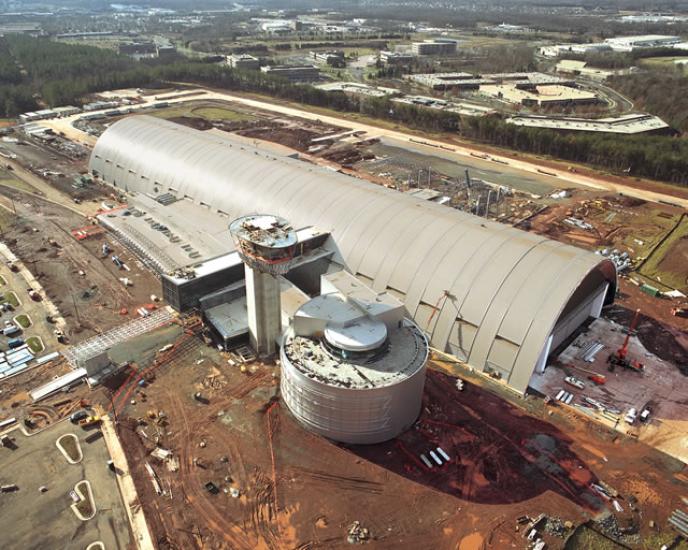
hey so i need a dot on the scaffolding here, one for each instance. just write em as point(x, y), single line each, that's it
point(96, 345)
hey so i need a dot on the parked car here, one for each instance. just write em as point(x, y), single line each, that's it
point(15, 343)
point(631, 415)
point(78, 415)
point(645, 414)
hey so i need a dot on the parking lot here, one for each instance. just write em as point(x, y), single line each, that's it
point(23, 323)
point(31, 519)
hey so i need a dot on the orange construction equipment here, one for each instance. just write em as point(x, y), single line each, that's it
point(87, 231)
point(598, 379)
point(619, 359)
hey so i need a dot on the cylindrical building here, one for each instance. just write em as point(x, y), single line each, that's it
point(351, 371)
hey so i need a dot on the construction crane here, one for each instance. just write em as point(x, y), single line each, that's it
point(620, 357)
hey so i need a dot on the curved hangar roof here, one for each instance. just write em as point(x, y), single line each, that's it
point(499, 291)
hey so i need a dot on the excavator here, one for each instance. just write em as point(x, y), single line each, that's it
point(620, 357)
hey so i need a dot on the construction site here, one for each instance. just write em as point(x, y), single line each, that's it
point(289, 333)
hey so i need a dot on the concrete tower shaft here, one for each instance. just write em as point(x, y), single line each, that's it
point(267, 246)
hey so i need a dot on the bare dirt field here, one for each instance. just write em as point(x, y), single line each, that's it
point(274, 485)
point(85, 286)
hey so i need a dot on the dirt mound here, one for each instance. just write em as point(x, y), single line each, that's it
point(628, 202)
point(194, 122)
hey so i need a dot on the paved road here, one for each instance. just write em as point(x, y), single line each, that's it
point(559, 178)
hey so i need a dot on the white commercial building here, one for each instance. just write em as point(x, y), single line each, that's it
point(630, 43)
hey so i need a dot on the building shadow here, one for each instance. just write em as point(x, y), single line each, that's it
point(497, 453)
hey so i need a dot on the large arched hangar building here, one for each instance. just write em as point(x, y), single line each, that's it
point(494, 296)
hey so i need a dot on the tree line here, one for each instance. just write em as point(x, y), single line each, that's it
point(59, 81)
point(660, 92)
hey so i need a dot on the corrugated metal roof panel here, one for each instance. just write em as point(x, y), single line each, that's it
point(505, 282)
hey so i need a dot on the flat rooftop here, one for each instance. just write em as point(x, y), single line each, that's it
point(401, 359)
point(357, 88)
point(627, 124)
point(174, 242)
point(349, 315)
point(468, 79)
point(544, 95)
point(460, 107)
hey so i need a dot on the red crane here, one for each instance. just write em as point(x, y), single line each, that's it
point(620, 357)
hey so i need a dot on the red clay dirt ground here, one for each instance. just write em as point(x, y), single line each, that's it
point(297, 490)
point(499, 455)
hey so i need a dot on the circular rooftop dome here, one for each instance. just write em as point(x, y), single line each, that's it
point(360, 335)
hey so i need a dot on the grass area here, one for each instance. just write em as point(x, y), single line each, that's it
point(8, 179)
point(649, 232)
point(208, 112)
point(656, 541)
point(23, 320)
point(6, 218)
point(35, 344)
point(664, 264)
point(69, 443)
point(219, 113)
point(11, 298)
point(85, 505)
point(661, 61)
point(15, 183)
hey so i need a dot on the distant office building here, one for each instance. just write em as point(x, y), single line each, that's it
point(243, 61)
point(165, 50)
point(396, 58)
point(293, 73)
point(630, 43)
point(634, 123)
point(547, 95)
point(468, 81)
point(356, 88)
point(138, 49)
point(619, 44)
point(436, 46)
point(333, 58)
point(32, 29)
point(558, 50)
point(505, 28)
